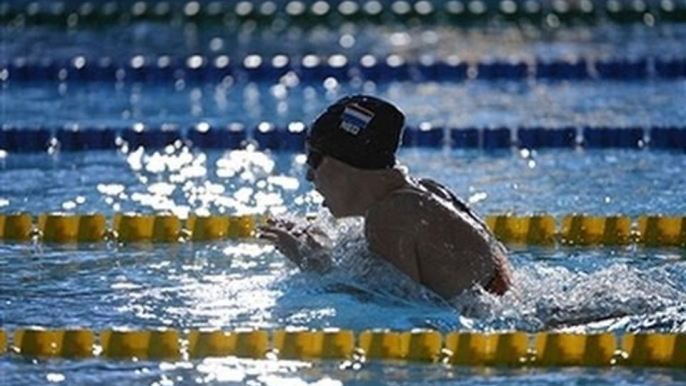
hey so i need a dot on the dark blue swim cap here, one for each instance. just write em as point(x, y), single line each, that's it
point(361, 130)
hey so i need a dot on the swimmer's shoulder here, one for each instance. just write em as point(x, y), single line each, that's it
point(404, 207)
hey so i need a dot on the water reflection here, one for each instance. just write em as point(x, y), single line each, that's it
point(181, 182)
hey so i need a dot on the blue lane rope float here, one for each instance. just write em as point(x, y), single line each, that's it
point(291, 137)
point(579, 230)
point(313, 68)
point(503, 349)
point(265, 13)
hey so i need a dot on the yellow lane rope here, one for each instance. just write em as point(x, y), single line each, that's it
point(546, 230)
point(544, 349)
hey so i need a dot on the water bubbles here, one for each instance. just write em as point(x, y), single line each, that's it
point(430, 37)
point(477, 197)
point(265, 127)
point(69, 205)
point(311, 61)
point(194, 62)
point(321, 8)
point(346, 41)
point(639, 6)
point(268, 8)
point(295, 8)
point(280, 61)
point(561, 6)
point(296, 127)
point(79, 62)
point(667, 5)
point(423, 7)
point(55, 377)
point(395, 60)
point(454, 7)
point(222, 61)
point(86, 9)
point(252, 61)
point(373, 7)
point(586, 6)
point(477, 7)
point(279, 91)
point(613, 6)
point(162, 8)
point(331, 84)
point(32, 9)
point(244, 8)
point(401, 7)
point(195, 94)
point(290, 79)
point(137, 61)
point(191, 9)
point(216, 44)
point(139, 8)
point(508, 6)
point(348, 7)
point(552, 21)
point(649, 20)
point(163, 61)
point(338, 61)
point(400, 39)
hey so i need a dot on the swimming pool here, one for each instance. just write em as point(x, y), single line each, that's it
point(233, 284)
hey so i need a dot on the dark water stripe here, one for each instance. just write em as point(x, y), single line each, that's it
point(292, 137)
point(311, 68)
point(96, 14)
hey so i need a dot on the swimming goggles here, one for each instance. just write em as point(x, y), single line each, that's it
point(314, 158)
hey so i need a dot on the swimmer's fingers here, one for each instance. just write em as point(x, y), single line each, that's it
point(271, 237)
point(280, 223)
point(277, 230)
point(317, 234)
point(283, 240)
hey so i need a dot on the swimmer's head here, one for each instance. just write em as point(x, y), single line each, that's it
point(361, 130)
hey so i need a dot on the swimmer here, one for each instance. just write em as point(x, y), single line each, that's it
point(417, 225)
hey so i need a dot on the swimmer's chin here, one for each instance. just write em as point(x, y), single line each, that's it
point(335, 213)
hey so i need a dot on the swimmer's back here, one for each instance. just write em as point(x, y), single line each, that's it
point(439, 243)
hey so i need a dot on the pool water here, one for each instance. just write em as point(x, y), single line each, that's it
point(233, 284)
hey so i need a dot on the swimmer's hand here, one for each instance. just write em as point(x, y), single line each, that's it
point(301, 245)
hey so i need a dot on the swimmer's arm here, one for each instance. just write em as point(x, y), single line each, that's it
point(391, 236)
point(299, 246)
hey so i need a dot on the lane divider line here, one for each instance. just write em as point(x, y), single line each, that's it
point(501, 349)
point(292, 137)
point(572, 230)
point(309, 68)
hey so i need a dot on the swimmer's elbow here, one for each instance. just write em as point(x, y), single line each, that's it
point(501, 281)
point(499, 285)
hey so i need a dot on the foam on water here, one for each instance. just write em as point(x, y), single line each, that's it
point(594, 294)
point(616, 297)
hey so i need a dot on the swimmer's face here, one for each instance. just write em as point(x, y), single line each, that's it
point(314, 159)
point(326, 174)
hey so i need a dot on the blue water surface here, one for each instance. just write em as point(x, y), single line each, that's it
point(234, 284)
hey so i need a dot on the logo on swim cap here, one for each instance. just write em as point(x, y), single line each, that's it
point(360, 130)
point(355, 118)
